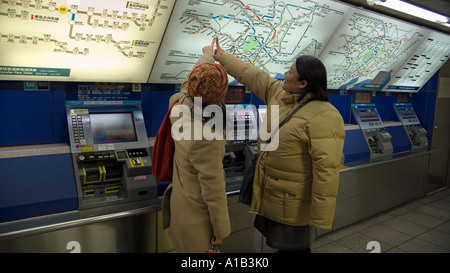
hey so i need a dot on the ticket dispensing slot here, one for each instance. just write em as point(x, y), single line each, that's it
point(95, 171)
point(110, 154)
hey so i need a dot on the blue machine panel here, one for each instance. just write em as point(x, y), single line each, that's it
point(36, 185)
point(159, 108)
point(400, 140)
point(355, 147)
point(59, 114)
point(342, 104)
point(25, 117)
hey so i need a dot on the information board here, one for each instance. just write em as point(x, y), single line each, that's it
point(64, 40)
point(361, 50)
point(122, 41)
point(422, 64)
point(101, 94)
point(269, 34)
point(367, 48)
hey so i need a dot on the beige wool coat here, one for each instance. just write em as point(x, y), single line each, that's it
point(195, 203)
point(296, 184)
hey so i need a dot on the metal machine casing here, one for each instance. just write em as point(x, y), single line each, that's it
point(241, 146)
point(377, 137)
point(110, 154)
point(416, 133)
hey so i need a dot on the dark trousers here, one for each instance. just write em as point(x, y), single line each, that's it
point(283, 237)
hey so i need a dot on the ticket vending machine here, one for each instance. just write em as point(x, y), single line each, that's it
point(375, 134)
point(242, 133)
point(416, 133)
point(110, 154)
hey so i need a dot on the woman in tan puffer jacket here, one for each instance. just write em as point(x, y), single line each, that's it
point(295, 185)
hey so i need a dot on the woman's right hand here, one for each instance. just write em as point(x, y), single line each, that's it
point(216, 241)
point(218, 51)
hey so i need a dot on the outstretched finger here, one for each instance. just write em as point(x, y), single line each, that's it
point(217, 42)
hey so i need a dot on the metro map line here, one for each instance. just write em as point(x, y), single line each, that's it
point(269, 34)
point(141, 23)
point(273, 37)
point(386, 45)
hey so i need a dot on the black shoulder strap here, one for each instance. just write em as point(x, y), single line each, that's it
point(293, 112)
point(289, 117)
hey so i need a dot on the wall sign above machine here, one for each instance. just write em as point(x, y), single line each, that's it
point(102, 94)
point(59, 40)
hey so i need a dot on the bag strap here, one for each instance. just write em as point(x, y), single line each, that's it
point(293, 113)
point(289, 117)
point(178, 101)
point(184, 95)
point(170, 108)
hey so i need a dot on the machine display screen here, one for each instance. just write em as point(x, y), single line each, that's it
point(113, 128)
point(235, 94)
point(363, 97)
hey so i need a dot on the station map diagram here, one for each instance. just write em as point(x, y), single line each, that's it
point(369, 50)
point(420, 66)
point(159, 41)
point(269, 34)
point(103, 40)
point(361, 50)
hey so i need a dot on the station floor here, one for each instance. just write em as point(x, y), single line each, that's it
point(420, 226)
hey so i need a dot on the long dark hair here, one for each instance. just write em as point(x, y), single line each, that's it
point(312, 70)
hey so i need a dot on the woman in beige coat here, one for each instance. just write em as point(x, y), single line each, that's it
point(295, 185)
point(195, 203)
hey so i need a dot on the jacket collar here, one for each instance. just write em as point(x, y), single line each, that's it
point(293, 98)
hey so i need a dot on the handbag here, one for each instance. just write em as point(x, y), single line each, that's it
point(163, 151)
point(246, 191)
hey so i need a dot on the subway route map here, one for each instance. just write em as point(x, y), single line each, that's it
point(367, 49)
point(74, 40)
point(361, 50)
point(269, 34)
point(372, 52)
point(159, 41)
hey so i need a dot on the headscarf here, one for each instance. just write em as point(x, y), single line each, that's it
point(209, 81)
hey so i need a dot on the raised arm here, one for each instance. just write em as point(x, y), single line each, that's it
point(255, 79)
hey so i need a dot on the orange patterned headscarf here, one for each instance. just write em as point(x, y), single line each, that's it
point(209, 81)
